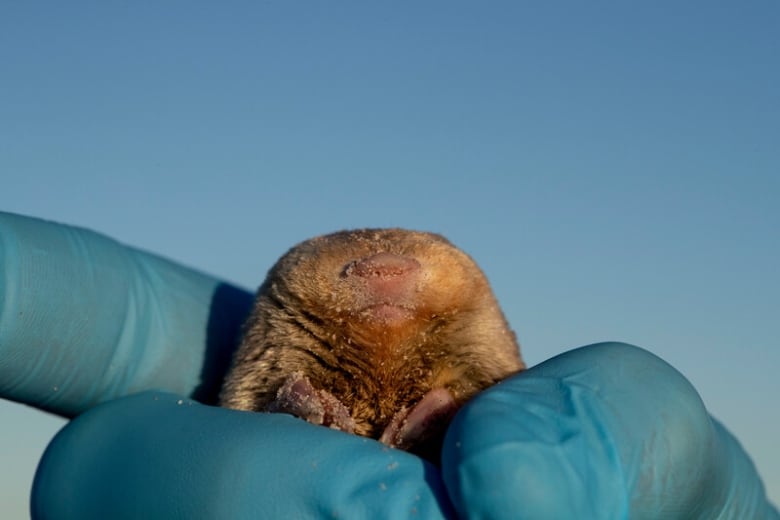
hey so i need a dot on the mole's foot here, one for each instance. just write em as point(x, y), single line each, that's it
point(421, 429)
point(298, 397)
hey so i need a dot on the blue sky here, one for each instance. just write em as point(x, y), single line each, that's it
point(615, 169)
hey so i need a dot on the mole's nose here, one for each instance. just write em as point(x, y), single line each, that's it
point(383, 265)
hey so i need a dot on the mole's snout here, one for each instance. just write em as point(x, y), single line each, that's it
point(385, 286)
point(383, 265)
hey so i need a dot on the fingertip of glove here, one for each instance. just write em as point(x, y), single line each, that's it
point(577, 435)
point(160, 455)
point(521, 451)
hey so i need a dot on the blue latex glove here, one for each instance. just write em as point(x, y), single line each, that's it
point(606, 431)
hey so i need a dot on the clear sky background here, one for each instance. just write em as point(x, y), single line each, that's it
point(614, 167)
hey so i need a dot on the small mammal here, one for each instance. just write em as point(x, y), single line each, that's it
point(383, 333)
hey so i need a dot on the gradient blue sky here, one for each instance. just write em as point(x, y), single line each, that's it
point(614, 168)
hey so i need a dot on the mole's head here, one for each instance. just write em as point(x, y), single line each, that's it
point(382, 332)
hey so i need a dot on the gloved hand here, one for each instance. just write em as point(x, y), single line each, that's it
point(606, 431)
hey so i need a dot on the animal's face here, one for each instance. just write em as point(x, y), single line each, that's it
point(380, 332)
point(371, 283)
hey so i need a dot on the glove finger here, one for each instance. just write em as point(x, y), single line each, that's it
point(85, 319)
point(155, 455)
point(605, 431)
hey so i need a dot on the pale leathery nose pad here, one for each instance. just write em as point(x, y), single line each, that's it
point(386, 279)
point(383, 265)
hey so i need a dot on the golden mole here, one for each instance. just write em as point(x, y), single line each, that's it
point(383, 333)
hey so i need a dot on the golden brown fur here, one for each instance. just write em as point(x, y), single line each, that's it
point(376, 344)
